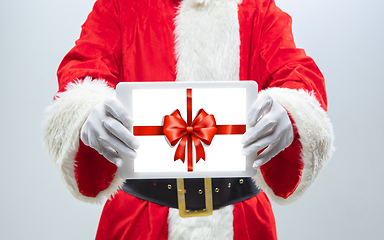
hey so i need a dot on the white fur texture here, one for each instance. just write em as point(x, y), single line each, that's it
point(207, 49)
point(62, 124)
point(316, 137)
point(207, 40)
point(217, 226)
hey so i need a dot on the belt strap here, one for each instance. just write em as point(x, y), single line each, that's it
point(225, 191)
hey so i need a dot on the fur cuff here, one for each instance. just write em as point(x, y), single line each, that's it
point(63, 121)
point(316, 137)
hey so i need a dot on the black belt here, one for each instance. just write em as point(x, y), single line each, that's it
point(225, 191)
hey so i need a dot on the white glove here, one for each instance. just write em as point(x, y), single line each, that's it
point(106, 130)
point(270, 127)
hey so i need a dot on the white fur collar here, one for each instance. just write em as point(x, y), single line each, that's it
point(207, 40)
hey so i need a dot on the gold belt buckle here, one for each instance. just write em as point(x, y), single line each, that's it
point(194, 213)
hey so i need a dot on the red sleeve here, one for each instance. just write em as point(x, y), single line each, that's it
point(284, 66)
point(94, 60)
point(93, 172)
point(97, 52)
point(283, 172)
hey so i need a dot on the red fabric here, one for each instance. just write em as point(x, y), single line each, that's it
point(283, 172)
point(92, 172)
point(124, 41)
point(134, 41)
point(274, 61)
point(253, 219)
point(269, 55)
point(127, 217)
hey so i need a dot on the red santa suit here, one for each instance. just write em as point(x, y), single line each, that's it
point(189, 40)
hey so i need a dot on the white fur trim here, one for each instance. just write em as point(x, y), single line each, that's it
point(207, 40)
point(62, 124)
point(207, 49)
point(219, 225)
point(316, 137)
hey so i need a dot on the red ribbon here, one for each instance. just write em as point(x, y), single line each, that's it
point(202, 129)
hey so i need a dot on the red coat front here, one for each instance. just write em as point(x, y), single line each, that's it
point(192, 40)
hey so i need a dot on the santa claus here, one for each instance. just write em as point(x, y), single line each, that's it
point(86, 128)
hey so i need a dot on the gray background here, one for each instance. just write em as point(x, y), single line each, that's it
point(345, 39)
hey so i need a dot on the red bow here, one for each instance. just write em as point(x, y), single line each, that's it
point(202, 129)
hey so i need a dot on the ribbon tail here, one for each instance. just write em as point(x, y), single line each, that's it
point(200, 153)
point(180, 151)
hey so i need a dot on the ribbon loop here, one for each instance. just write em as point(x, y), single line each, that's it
point(202, 129)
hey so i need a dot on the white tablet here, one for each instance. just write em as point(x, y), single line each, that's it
point(188, 129)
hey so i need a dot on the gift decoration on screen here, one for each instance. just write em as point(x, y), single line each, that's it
point(201, 129)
